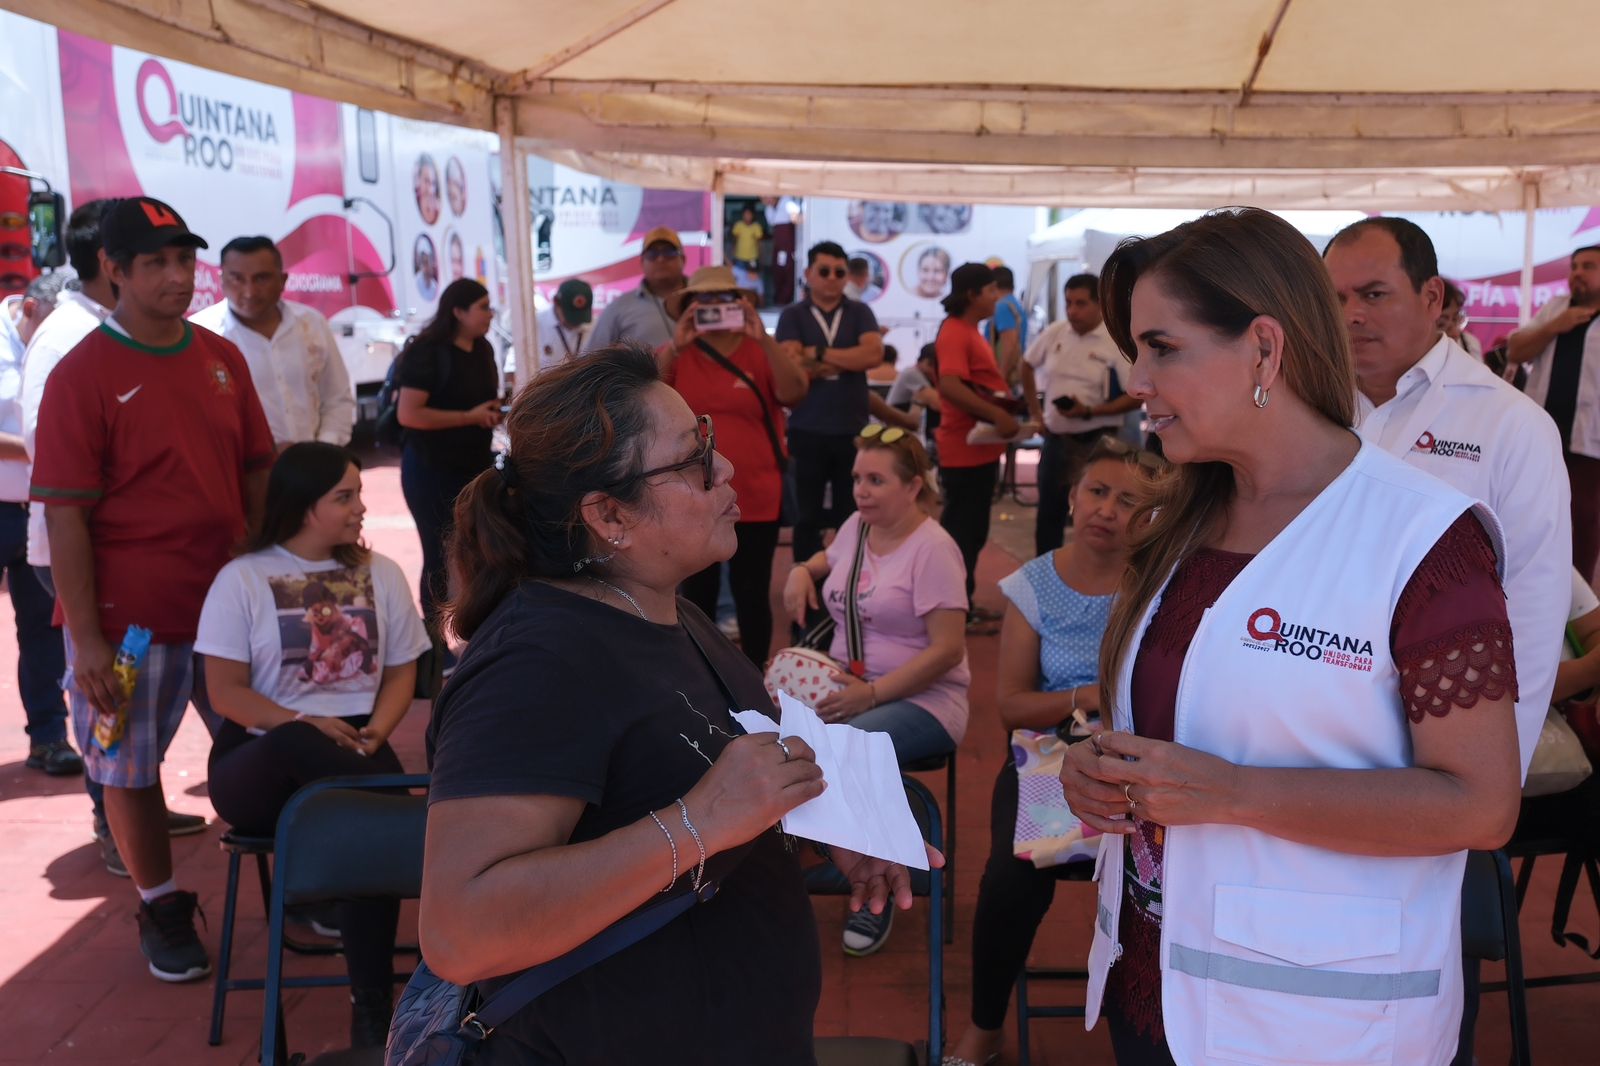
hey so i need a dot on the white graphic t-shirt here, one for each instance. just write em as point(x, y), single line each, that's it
point(317, 635)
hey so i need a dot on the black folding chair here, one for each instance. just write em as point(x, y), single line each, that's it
point(1489, 932)
point(341, 838)
point(947, 763)
point(826, 880)
point(1027, 1010)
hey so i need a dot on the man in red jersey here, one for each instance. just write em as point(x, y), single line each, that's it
point(151, 452)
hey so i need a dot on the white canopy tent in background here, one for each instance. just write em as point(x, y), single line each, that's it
point(1364, 104)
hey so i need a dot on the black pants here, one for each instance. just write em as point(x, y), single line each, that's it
point(817, 461)
point(750, 580)
point(968, 496)
point(1013, 896)
point(430, 491)
point(41, 655)
point(250, 780)
point(1061, 460)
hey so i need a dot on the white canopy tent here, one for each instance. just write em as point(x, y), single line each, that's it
point(1368, 104)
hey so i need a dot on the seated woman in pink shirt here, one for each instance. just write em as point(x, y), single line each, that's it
point(912, 600)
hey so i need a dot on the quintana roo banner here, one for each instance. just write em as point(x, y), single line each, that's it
point(234, 157)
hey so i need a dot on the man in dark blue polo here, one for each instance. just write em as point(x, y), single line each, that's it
point(836, 341)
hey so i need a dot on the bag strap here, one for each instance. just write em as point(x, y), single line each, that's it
point(727, 693)
point(766, 415)
point(855, 642)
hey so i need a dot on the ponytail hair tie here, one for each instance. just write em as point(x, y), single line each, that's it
point(507, 471)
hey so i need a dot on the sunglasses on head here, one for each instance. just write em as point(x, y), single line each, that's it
point(832, 272)
point(705, 458)
point(879, 431)
point(665, 251)
point(1117, 448)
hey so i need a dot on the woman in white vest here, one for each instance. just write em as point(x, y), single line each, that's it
point(1310, 674)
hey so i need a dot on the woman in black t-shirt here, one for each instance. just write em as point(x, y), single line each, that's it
point(584, 756)
point(449, 405)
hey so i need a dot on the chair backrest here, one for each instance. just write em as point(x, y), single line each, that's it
point(1484, 893)
point(352, 838)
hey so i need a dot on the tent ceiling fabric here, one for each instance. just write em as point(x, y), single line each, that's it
point(1094, 102)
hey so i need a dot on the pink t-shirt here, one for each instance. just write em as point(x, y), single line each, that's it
point(896, 592)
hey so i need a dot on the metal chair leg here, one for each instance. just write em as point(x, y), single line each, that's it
point(219, 997)
point(950, 851)
point(1022, 1017)
point(1516, 989)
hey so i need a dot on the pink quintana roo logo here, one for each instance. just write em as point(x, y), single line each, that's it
point(164, 131)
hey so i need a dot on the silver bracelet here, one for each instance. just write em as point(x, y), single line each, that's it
point(699, 871)
point(671, 844)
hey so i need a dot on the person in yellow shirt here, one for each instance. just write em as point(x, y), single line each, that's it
point(747, 234)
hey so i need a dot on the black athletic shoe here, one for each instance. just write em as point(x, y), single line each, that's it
point(57, 759)
point(168, 939)
point(182, 825)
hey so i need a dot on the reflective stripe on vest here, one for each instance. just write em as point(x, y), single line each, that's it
point(1299, 981)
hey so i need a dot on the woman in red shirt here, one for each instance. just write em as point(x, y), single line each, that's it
point(739, 378)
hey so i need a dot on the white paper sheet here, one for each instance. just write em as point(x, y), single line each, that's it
point(864, 807)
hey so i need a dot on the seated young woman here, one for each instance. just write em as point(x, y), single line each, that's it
point(310, 643)
point(1049, 668)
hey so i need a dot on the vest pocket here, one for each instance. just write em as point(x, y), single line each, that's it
point(1302, 977)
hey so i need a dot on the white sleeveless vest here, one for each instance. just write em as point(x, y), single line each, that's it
point(1274, 952)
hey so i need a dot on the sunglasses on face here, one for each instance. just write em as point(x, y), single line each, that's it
point(877, 430)
point(832, 272)
point(705, 458)
point(653, 254)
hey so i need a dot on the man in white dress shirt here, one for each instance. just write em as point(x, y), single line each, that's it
point(1563, 357)
point(1425, 400)
point(1074, 364)
point(290, 348)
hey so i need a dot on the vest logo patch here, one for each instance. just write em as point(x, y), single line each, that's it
point(1267, 631)
point(1449, 449)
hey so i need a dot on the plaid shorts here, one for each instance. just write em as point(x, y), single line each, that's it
point(159, 700)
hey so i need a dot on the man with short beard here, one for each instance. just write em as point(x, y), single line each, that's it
point(1564, 378)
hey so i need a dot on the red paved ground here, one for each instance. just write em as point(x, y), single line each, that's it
point(73, 988)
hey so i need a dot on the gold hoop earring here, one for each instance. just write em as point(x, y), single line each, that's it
point(1261, 397)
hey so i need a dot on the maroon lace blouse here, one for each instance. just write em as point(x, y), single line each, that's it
point(1450, 640)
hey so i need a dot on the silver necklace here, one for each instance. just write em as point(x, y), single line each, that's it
point(633, 602)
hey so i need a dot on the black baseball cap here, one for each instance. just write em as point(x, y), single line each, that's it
point(576, 300)
point(140, 225)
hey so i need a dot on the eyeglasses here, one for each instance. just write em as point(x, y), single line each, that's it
point(879, 431)
point(832, 272)
point(705, 458)
point(1117, 448)
point(669, 252)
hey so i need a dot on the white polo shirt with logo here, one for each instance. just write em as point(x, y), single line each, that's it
point(1586, 417)
point(1452, 417)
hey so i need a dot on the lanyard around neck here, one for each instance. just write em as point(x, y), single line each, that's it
point(829, 330)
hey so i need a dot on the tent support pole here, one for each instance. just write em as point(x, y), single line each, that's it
point(719, 181)
point(516, 216)
point(1530, 205)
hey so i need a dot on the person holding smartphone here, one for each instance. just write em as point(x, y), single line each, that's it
point(724, 364)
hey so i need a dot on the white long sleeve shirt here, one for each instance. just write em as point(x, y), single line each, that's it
point(1452, 417)
point(298, 372)
point(75, 317)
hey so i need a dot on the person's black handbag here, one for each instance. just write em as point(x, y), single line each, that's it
point(769, 423)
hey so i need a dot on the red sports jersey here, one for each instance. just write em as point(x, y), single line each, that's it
point(156, 442)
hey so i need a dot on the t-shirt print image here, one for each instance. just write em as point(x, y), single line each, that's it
point(328, 631)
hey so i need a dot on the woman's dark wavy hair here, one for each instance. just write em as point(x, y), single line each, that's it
point(459, 295)
point(303, 474)
point(577, 429)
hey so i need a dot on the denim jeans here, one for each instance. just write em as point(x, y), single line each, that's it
point(41, 658)
point(916, 733)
